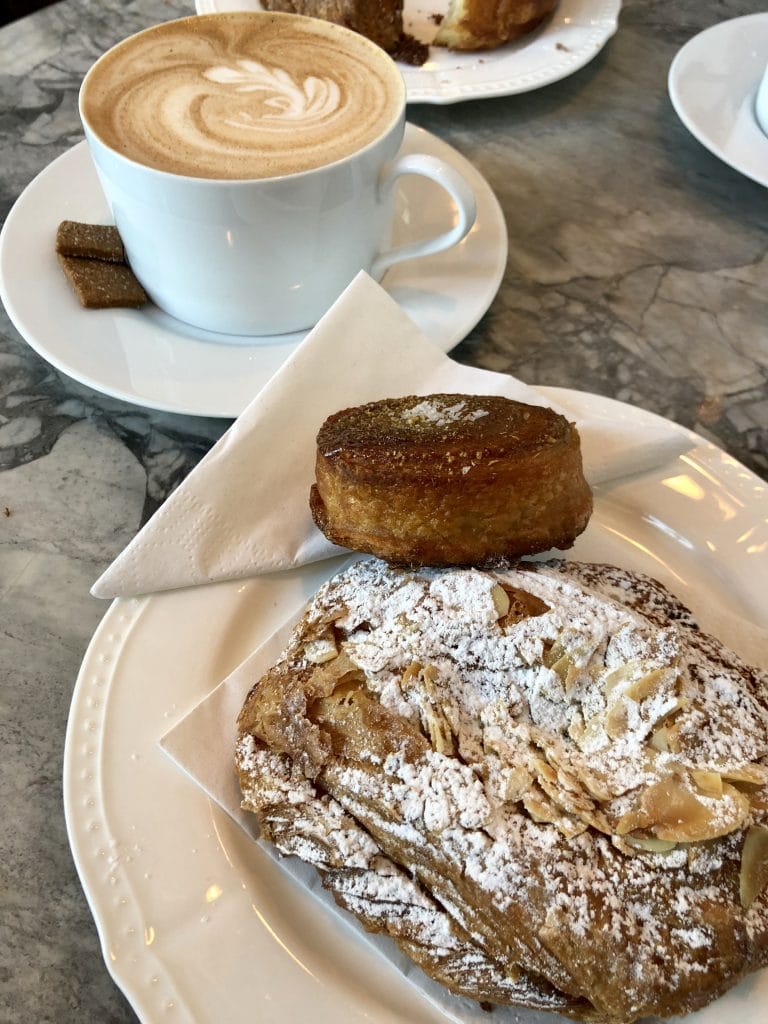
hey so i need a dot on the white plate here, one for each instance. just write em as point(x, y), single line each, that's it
point(575, 33)
point(713, 81)
point(196, 922)
point(146, 357)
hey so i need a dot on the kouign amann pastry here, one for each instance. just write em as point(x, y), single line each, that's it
point(449, 480)
point(482, 25)
point(545, 784)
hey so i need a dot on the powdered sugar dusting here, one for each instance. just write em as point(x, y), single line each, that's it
point(585, 774)
point(600, 711)
point(441, 413)
point(364, 881)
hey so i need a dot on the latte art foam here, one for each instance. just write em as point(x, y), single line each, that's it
point(315, 100)
point(241, 95)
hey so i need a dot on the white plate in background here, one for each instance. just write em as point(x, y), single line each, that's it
point(574, 33)
point(197, 923)
point(713, 82)
point(146, 357)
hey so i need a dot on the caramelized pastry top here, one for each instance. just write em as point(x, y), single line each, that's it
point(451, 435)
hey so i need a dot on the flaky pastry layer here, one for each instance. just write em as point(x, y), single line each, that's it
point(544, 783)
point(486, 24)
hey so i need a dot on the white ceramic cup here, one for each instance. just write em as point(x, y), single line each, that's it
point(268, 255)
point(761, 103)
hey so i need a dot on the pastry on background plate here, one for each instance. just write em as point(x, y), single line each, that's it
point(466, 24)
point(486, 24)
point(449, 480)
point(544, 783)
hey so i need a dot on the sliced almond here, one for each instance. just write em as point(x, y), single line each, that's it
point(500, 600)
point(753, 876)
point(570, 677)
point(674, 743)
point(565, 669)
point(553, 653)
point(539, 807)
point(568, 781)
point(521, 605)
point(651, 845)
point(709, 783)
point(576, 728)
point(543, 769)
point(670, 810)
point(440, 735)
point(517, 782)
point(592, 736)
point(665, 805)
point(660, 739)
point(648, 684)
point(543, 810)
point(675, 811)
point(418, 682)
point(596, 785)
point(617, 676)
point(319, 651)
point(617, 719)
point(568, 802)
point(747, 774)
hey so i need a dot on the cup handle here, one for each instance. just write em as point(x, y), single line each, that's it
point(448, 179)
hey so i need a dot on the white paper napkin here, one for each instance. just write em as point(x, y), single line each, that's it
point(244, 509)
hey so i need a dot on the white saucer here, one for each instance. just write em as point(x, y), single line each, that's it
point(713, 82)
point(569, 38)
point(148, 358)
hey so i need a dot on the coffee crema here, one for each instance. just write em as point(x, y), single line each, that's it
point(241, 95)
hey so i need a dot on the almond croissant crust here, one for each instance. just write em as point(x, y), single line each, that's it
point(544, 783)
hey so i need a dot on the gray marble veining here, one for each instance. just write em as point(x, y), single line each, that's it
point(637, 269)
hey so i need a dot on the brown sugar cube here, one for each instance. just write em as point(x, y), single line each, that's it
point(96, 241)
point(102, 285)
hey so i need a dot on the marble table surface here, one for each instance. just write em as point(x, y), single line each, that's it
point(637, 269)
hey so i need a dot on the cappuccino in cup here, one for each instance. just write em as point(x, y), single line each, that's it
point(233, 96)
point(250, 161)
